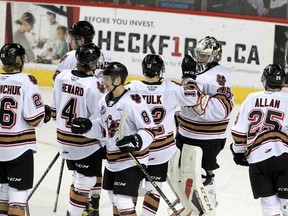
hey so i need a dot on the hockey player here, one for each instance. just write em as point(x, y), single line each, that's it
point(21, 110)
point(260, 141)
point(209, 130)
point(162, 98)
point(137, 138)
point(76, 93)
point(80, 33)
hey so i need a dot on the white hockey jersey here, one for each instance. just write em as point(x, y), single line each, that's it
point(261, 127)
point(162, 99)
point(139, 121)
point(21, 110)
point(75, 94)
point(214, 123)
point(69, 62)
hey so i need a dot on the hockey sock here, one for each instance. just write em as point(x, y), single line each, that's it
point(78, 201)
point(4, 208)
point(96, 189)
point(115, 211)
point(150, 204)
point(16, 210)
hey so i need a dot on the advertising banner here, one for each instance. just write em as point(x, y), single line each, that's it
point(128, 35)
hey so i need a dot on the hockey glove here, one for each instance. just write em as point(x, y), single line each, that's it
point(239, 158)
point(47, 115)
point(130, 143)
point(188, 67)
point(202, 104)
point(81, 125)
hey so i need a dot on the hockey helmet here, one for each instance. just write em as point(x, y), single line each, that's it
point(82, 29)
point(153, 65)
point(13, 53)
point(87, 55)
point(207, 52)
point(273, 76)
point(114, 69)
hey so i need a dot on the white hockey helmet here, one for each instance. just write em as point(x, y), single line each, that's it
point(207, 52)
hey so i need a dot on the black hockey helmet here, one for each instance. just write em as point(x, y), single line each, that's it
point(87, 55)
point(153, 65)
point(82, 29)
point(188, 66)
point(273, 76)
point(115, 69)
point(12, 53)
point(206, 53)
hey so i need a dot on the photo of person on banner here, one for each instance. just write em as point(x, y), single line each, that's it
point(26, 23)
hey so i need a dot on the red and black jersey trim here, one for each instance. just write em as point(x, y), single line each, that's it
point(269, 136)
point(200, 127)
point(239, 138)
point(162, 142)
point(227, 103)
point(74, 140)
point(119, 156)
point(35, 121)
point(20, 138)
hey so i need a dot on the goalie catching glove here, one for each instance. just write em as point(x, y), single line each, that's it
point(239, 158)
point(130, 143)
point(81, 125)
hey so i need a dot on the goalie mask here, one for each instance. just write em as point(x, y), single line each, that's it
point(153, 65)
point(13, 53)
point(273, 76)
point(115, 69)
point(82, 29)
point(206, 53)
point(88, 56)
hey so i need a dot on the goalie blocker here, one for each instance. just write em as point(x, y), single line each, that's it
point(186, 180)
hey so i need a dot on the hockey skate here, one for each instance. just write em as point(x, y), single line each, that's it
point(92, 207)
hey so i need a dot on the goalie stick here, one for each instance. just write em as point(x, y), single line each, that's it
point(154, 184)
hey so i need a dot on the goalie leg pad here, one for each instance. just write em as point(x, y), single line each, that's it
point(174, 179)
point(191, 180)
point(270, 205)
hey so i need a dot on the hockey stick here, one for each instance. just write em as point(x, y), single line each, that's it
point(154, 184)
point(59, 185)
point(39, 182)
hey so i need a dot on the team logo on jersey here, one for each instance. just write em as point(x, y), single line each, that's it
point(112, 125)
point(221, 80)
